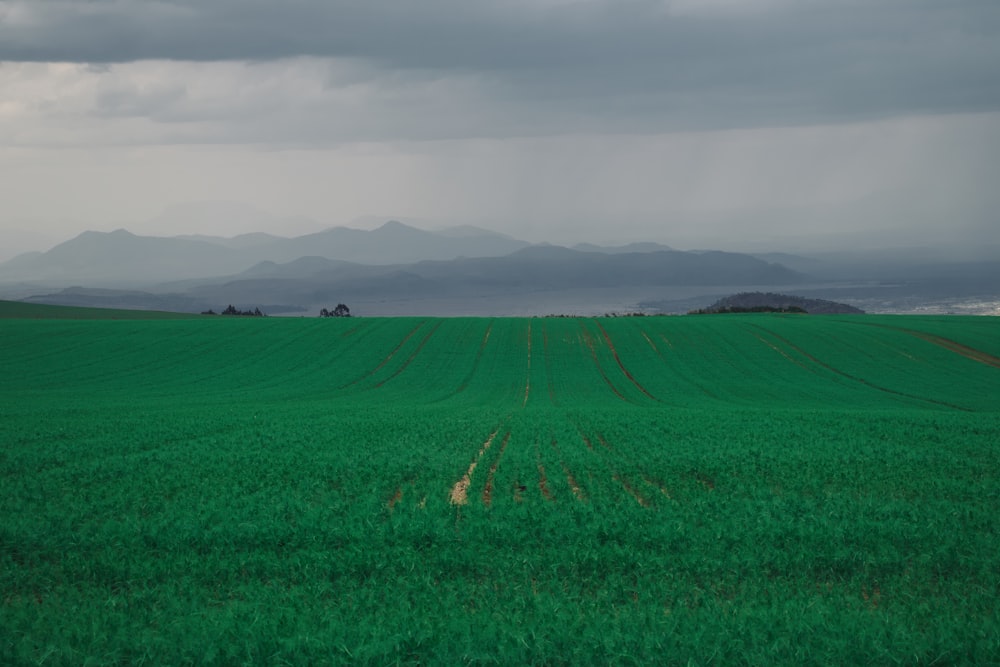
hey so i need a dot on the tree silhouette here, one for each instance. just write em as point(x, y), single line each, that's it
point(340, 311)
point(232, 310)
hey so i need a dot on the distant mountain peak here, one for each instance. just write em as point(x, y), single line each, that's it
point(466, 231)
point(120, 233)
point(642, 247)
point(392, 225)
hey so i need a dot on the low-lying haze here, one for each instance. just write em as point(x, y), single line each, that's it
point(753, 125)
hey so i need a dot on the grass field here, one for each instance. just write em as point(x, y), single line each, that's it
point(746, 489)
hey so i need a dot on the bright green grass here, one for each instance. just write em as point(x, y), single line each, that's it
point(699, 490)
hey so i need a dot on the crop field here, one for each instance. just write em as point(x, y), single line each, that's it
point(728, 489)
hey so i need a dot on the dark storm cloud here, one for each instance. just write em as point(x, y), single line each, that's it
point(652, 65)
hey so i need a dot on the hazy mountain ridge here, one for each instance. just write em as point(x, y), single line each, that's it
point(105, 258)
point(643, 246)
point(527, 270)
point(453, 271)
point(109, 257)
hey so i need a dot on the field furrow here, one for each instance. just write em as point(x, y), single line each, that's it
point(412, 356)
point(479, 358)
point(625, 371)
point(588, 340)
point(388, 357)
point(488, 487)
point(957, 348)
point(854, 378)
point(460, 490)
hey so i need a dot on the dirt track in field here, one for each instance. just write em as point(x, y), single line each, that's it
point(412, 356)
point(614, 353)
point(948, 344)
point(855, 378)
point(479, 357)
point(387, 358)
point(589, 342)
point(957, 348)
point(780, 351)
point(632, 491)
point(460, 491)
point(570, 479)
point(488, 488)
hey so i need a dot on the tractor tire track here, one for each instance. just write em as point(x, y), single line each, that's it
point(488, 488)
point(614, 353)
point(958, 348)
point(659, 353)
point(782, 352)
point(387, 358)
point(574, 486)
point(543, 480)
point(412, 356)
point(946, 343)
point(650, 341)
point(460, 490)
point(588, 340)
point(857, 379)
point(479, 358)
point(615, 474)
point(632, 491)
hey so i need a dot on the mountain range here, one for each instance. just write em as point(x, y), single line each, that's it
point(398, 269)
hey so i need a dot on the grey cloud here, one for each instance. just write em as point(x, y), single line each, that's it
point(130, 101)
point(602, 65)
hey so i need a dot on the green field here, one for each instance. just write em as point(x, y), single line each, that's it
point(732, 489)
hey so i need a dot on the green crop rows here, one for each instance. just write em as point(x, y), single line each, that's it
point(747, 489)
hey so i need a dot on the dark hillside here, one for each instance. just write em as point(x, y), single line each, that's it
point(748, 301)
point(39, 311)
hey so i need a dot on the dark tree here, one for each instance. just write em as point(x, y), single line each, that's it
point(232, 310)
point(341, 311)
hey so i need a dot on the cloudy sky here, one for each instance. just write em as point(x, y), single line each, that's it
point(743, 124)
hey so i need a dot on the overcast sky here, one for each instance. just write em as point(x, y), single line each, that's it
point(785, 124)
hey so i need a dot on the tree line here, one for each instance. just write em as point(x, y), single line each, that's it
point(233, 310)
point(340, 310)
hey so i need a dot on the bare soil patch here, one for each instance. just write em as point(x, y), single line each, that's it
point(957, 348)
point(460, 490)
